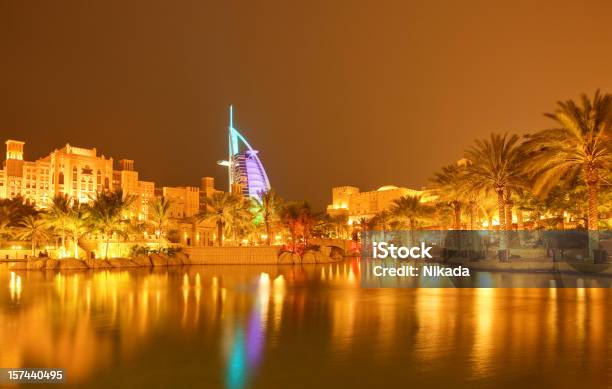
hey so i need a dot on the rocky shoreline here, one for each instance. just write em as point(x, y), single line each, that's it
point(154, 260)
point(290, 258)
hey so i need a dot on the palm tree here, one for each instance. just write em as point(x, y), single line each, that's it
point(443, 214)
point(6, 232)
point(106, 213)
point(57, 215)
point(241, 223)
point(448, 186)
point(605, 199)
point(475, 197)
point(363, 223)
point(536, 208)
point(408, 210)
point(16, 209)
point(339, 225)
point(244, 222)
point(580, 146)
point(487, 208)
point(268, 208)
point(219, 208)
point(362, 226)
point(77, 224)
point(382, 220)
point(160, 215)
point(495, 167)
point(33, 229)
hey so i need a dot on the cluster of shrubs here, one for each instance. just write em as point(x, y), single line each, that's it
point(300, 249)
point(146, 250)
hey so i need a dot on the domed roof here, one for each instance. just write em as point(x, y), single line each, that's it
point(387, 187)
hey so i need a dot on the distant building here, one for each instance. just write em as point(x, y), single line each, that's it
point(350, 201)
point(74, 171)
point(185, 200)
point(126, 179)
point(244, 166)
point(207, 189)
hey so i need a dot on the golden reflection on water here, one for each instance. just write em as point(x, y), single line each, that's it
point(15, 287)
point(483, 347)
point(88, 322)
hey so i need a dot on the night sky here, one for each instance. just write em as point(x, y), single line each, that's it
point(365, 93)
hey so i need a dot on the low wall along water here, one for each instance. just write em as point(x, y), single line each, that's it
point(189, 256)
point(232, 255)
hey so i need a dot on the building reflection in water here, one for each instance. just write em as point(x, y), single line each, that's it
point(247, 343)
point(257, 320)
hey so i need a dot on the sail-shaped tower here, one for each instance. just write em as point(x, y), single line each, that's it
point(243, 164)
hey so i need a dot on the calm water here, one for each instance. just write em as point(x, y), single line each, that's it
point(299, 327)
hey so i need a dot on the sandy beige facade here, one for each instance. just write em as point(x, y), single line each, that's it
point(185, 200)
point(74, 171)
point(350, 201)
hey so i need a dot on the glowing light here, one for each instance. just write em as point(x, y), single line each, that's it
point(279, 283)
point(484, 331)
point(264, 280)
point(494, 222)
point(15, 286)
point(351, 276)
point(279, 294)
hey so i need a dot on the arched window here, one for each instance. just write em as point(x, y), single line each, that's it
point(60, 180)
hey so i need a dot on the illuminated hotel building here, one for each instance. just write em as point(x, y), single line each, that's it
point(81, 173)
point(244, 167)
point(74, 171)
point(350, 201)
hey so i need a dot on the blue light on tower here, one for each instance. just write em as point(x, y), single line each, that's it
point(244, 167)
